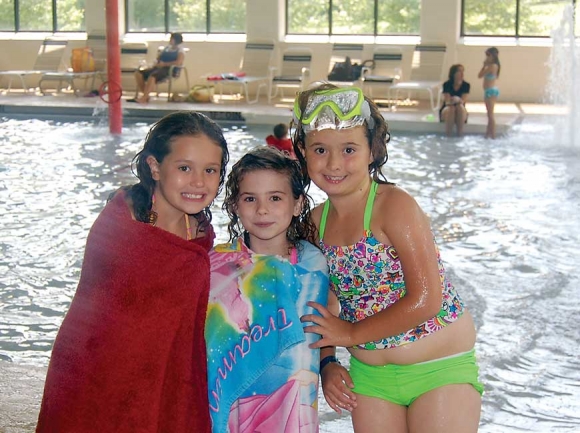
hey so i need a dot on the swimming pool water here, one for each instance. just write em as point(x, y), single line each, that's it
point(506, 214)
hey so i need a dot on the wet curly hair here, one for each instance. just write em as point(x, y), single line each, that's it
point(268, 158)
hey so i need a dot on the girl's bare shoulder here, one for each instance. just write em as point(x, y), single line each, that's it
point(396, 206)
point(392, 197)
point(316, 214)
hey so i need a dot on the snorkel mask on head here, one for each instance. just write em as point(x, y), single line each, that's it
point(334, 109)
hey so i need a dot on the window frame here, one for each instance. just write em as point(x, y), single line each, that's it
point(166, 23)
point(331, 34)
point(515, 35)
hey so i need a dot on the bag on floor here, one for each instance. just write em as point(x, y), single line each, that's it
point(201, 93)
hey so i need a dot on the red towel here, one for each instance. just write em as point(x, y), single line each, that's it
point(130, 355)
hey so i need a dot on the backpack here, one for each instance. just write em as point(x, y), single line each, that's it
point(357, 69)
point(348, 71)
point(341, 71)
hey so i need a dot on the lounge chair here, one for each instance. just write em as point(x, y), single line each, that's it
point(133, 57)
point(48, 59)
point(255, 69)
point(294, 73)
point(97, 43)
point(386, 69)
point(426, 73)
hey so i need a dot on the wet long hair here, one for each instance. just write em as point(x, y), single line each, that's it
point(378, 137)
point(269, 158)
point(158, 144)
point(494, 53)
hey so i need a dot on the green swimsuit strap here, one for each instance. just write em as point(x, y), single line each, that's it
point(369, 206)
point(323, 219)
point(368, 211)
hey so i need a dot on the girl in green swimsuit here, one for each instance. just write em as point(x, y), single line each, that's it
point(410, 337)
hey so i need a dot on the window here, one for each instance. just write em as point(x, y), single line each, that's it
point(353, 17)
point(513, 18)
point(42, 15)
point(185, 16)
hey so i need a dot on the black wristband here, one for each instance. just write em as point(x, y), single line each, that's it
point(327, 360)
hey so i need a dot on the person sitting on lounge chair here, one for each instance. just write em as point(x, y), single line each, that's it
point(147, 79)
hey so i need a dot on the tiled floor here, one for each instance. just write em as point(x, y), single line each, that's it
point(413, 116)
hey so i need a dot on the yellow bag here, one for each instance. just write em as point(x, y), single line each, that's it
point(201, 93)
point(82, 60)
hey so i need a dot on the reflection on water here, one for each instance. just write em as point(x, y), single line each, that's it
point(506, 214)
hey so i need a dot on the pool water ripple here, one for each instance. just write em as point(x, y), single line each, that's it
point(505, 213)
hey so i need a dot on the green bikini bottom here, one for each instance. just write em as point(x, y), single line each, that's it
point(403, 384)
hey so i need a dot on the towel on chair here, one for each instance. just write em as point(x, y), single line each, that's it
point(262, 376)
point(130, 354)
point(228, 76)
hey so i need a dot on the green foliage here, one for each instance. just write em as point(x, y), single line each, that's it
point(308, 17)
point(188, 16)
point(354, 17)
point(7, 15)
point(498, 17)
point(538, 18)
point(228, 16)
point(401, 17)
point(36, 15)
point(70, 15)
point(146, 16)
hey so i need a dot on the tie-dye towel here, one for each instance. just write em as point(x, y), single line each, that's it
point(262, 375)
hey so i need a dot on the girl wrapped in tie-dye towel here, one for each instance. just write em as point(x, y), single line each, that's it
point(262, 375)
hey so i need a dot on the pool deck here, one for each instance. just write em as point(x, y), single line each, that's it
point(409, 116)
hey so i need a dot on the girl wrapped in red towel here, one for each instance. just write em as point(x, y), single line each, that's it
point(130, 354)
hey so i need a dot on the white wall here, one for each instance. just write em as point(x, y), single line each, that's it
point(523, 75)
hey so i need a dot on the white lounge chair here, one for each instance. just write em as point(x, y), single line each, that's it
point(133, 57)
point(294, 72)
point(97, 43)
point(386, 69)
point(48, 59)
point(426, 73)
point(255, 69)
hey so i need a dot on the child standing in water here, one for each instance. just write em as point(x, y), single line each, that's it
point(411, 340)
point(490, 73)
point(130, 354)
point(280, 140)
point(262, 374)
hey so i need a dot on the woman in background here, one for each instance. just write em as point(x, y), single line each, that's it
point(455, 93)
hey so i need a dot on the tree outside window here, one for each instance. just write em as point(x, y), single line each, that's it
point(353, 17)
point(186, 16)
point(512, 18)
point(42, 16)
